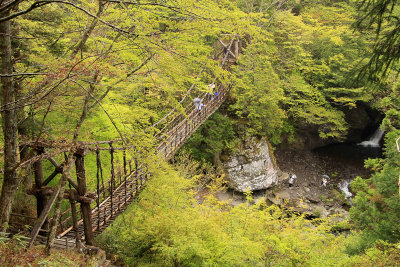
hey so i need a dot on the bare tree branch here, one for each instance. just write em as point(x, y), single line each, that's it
point(22, 74)
point(9, 5)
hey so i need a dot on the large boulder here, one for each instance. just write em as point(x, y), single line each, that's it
point(251, 167)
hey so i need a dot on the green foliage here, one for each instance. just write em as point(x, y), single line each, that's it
point(293, 75)
point(144, 58)
point(258, 92)
point(296, 76)
point(139, 60)
point(376, 206)
point(383, 17)
point(214, 136)
point(317, 55)
point(382, 254)
point(308, 106)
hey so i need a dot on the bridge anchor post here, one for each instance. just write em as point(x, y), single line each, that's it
point(86, 210)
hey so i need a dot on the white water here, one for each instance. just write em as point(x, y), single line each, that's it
point(344, 186)
point(374, 139)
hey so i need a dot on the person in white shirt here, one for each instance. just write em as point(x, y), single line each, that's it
point(292, 178)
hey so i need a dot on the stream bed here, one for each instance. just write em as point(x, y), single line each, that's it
point(341, 162)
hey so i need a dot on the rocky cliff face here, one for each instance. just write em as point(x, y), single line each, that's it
point(251, 167)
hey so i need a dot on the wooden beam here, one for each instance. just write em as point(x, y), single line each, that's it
point(237, 49)
point(222, 43)
point(71, 194)
point(71, 182)
point(58, 169)
point(54, 174)
point(43, 216)
point(54, 162)
point(51, 176)
point(75, 224)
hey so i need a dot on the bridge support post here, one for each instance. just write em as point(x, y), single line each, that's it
point(85, 207)
point(236, 49)
point(75, 224)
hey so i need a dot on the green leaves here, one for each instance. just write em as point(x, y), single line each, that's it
point(258, 92)
point(213, 137)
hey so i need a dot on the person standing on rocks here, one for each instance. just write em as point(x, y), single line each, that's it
point(325, 180)
point(292, 178)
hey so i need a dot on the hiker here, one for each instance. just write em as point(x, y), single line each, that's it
point(210, 90)
point(325, 180)
point(201, 105)
point(197, 102)
point(292, 178)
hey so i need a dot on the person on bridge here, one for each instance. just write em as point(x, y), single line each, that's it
point(210, 90)
point(197, 102)
point(201, 105)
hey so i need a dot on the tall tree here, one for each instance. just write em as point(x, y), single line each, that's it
point(9, 122)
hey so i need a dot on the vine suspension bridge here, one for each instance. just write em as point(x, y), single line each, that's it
point(127, 176)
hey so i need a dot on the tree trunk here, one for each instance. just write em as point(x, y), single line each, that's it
point(23, 131)
point(39, 177)
point(9, 125)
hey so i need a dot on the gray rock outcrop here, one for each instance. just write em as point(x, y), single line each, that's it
point(251, 167)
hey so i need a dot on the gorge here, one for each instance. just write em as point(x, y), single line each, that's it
point(254, 168)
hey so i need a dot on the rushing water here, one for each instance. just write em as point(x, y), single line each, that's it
point(374, 140)
point(344, 187)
